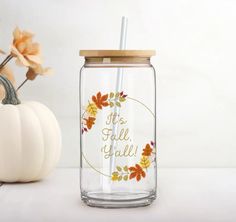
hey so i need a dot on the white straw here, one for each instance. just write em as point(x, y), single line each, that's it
point(123, 33)
point(119, 83)
point(106, 181)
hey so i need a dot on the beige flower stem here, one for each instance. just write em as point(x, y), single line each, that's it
point(22, 84)
point(5, 61)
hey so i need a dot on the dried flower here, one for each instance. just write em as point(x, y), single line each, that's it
point(37, 70)
point(2, 52)
point(24, 49)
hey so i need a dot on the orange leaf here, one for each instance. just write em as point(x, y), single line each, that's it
point(147, 150)
point(90, 122)
point(136, 172)
point(138, 177)
point(132, 175)
point(100, 100)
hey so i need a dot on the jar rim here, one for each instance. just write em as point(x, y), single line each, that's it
point(117, 53)
point(117, 61)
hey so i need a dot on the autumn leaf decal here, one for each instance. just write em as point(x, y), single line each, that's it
point(90, 122)
point(147, 151)
point(145, 162)
point(92, 109)
point(115, 99)
point(100, 100)
point(139, 170)
point(136, 172)
point(121, 173)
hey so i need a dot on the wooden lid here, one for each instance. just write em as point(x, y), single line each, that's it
point(117, 53)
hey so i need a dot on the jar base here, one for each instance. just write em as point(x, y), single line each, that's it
point(118, 199)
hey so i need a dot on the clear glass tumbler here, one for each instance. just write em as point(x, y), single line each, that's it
point(118, 128)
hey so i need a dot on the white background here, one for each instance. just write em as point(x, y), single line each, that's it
point(195, 43)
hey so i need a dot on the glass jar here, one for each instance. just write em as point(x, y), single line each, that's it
point(118, 128)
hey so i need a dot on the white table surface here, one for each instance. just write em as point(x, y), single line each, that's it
point(184, 194)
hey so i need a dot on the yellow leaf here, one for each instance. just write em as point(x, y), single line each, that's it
point(125, 168)
point(92, 109)
point(121, 99)
point(115, 173)
point(119, 168)
point(115, 176)
point(111, 104)
point(117, 94)
point(125, 177)
point(111, 95)
point(145, 162)
point(118, 104)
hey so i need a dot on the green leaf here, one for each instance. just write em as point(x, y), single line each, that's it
point(125, 177)
point(121, 99)
point(117, 94)
point(112, 95)
point(119, 178)
point(115, 173)
point(119, 168)
point(111, 104)
point(125, 168)
point(118, 104)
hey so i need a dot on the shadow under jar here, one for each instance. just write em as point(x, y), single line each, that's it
point(117, 128)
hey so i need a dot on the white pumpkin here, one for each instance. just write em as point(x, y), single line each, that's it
point(30, 140)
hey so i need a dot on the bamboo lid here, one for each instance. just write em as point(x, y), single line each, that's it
point(117, 53)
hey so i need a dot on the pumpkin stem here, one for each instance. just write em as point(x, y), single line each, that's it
point(10, 92)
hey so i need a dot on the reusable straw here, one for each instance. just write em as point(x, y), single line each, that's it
point(109, 166)
point(119, 83)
